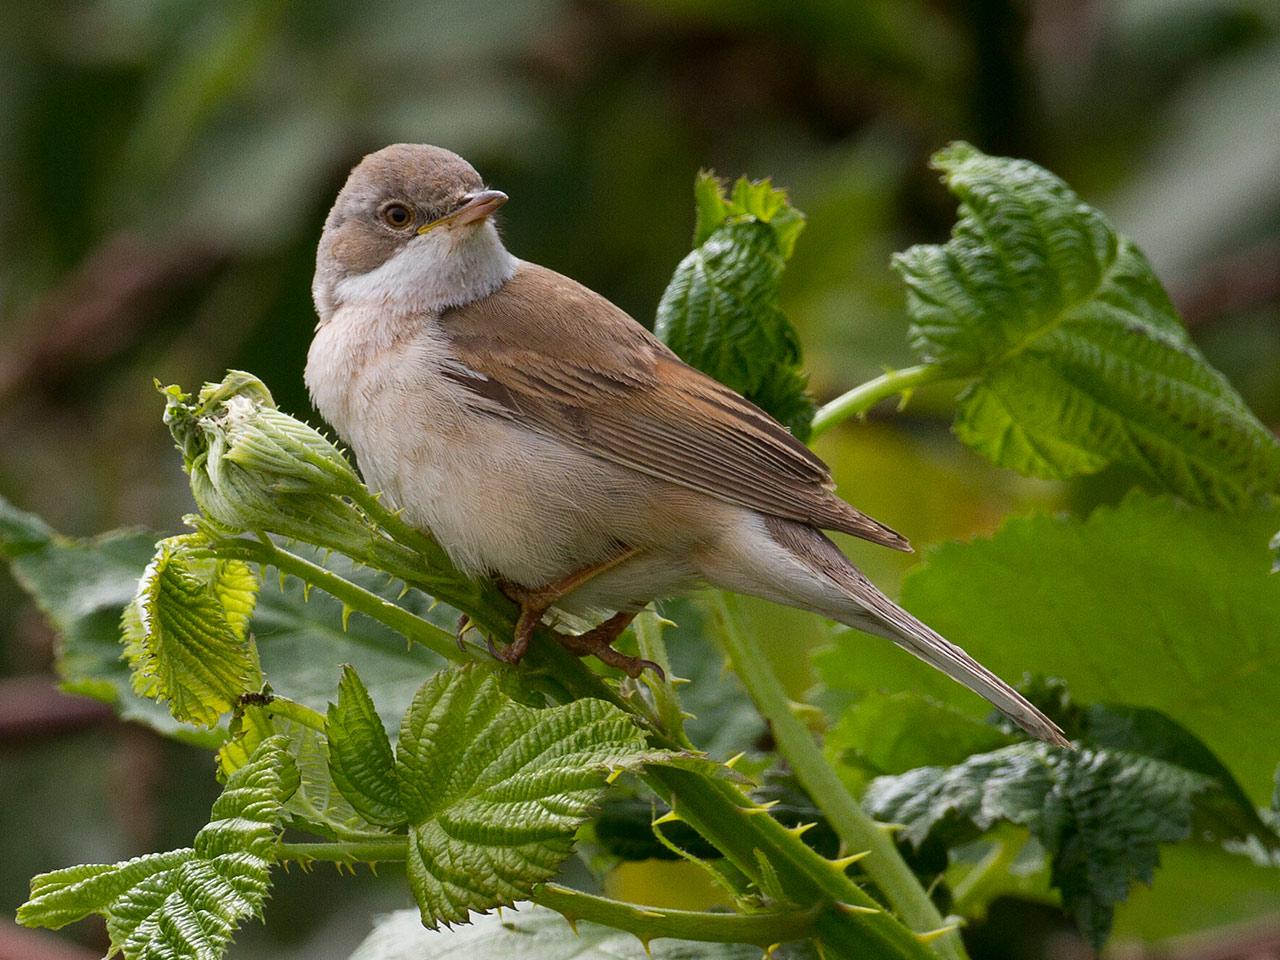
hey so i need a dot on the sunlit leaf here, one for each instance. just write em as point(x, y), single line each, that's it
point(185, 632)
point(188, 902)
point(1081, 360)
point(494, 790)
point(1151, 603)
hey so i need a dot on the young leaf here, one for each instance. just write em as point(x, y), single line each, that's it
point(185, 632)
point(1081, 360)
point(494, 790)
point(360, 757)
point(721, 312)
point(188, 902)
point(317, 806)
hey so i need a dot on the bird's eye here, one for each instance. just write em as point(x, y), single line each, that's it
point(396, 215)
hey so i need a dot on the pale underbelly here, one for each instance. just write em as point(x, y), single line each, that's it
point(507, 503)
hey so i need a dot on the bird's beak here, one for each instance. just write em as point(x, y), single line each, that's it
point(476, 206)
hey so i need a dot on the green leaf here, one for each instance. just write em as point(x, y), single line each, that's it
point(1080, 358)
point(302, 635)
point(494, 790)
point(1099, 814)
point(188, 902)
point(360, 757)
point(185, 632)
point(21, 532)
point(1150, 603)
point(886, 733)
point(721, 310)
point(82, 586)
point(317, 806)
point(532, 933)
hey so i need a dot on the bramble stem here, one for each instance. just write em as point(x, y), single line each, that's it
point(355, 597)
point(763, 929)
point(865, 396)
point(393, 849)
point(649, 923)
point(857, 830)
point(649, 627)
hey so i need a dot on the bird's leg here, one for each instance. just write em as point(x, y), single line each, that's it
point(598, 642)
point(534, 603)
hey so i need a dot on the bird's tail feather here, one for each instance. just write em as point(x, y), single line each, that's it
point(880, 615)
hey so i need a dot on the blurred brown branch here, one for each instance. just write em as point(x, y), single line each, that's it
point(32, 706)
point(102, 309)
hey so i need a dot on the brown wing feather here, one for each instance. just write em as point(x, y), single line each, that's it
point(620, 394)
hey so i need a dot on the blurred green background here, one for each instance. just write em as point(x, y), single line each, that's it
point(165, 167)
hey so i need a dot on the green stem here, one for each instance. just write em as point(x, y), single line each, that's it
point(763, 929)
point(971, 891)
point(299, 713)
point(649, 627)
point(390, 850)
point(865, 396)
point(352, 596)
point(649, 923)
point(857, 831)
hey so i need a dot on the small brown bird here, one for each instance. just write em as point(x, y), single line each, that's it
point(547, 439)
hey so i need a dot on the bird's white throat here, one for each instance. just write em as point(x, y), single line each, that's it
point(447, 267)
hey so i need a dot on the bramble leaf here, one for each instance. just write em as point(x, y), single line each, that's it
point(494, 790)
point(1138, 780)
point(21, 532)
point(186, 631)
point(721, 312)
point(82, 586)
point(188, 902)
point(886, 733)
point(1081, 360)
point(360, 757)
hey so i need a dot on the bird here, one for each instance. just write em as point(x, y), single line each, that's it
point(550, 442)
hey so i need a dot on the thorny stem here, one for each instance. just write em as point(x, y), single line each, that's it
point(857, 830)
point(764, 929)
point(866, 395)
point(340, 588)
point(648, 628)
point(648, 923)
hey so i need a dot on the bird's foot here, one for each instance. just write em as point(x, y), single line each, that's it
point(598, 642)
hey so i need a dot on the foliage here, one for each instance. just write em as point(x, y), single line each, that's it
point(490, 775)
point(185, 903)
point(493, 790)
point(1080, 359)
point(721, 311)
point(1138, 781)
point(537, 934)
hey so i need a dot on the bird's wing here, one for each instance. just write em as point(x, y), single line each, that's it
point(558, 358)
